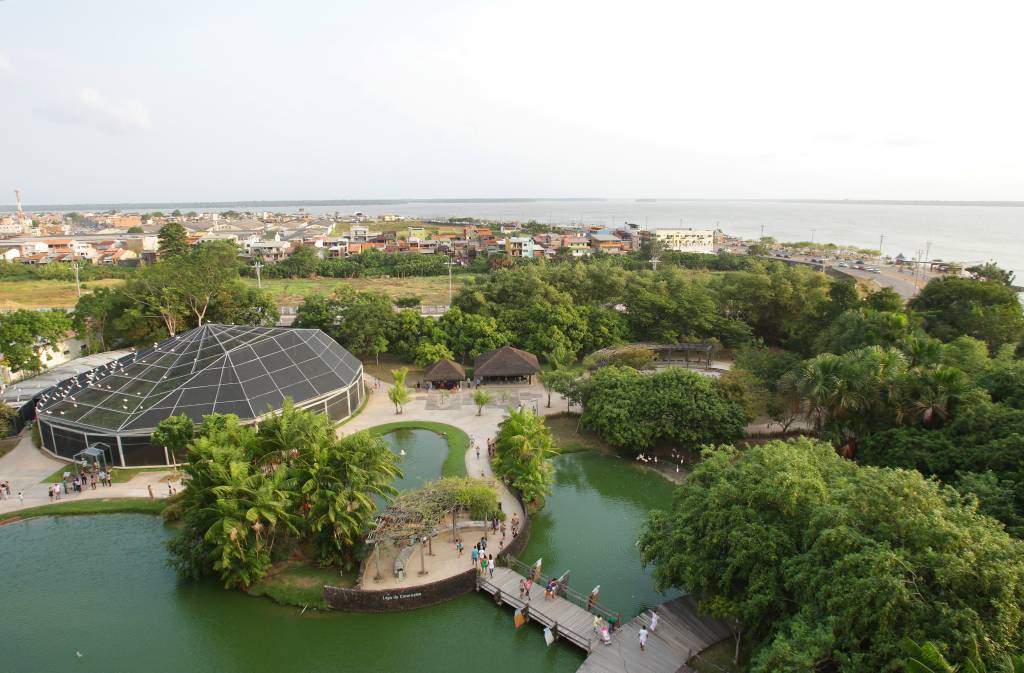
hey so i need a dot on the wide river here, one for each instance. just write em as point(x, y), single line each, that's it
point(100, 586)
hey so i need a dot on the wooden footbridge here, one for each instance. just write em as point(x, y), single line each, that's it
point(682, 632)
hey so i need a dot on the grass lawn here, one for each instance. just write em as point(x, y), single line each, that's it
point(121, 474)
point(7, 444)
point(301, 585)
point(430, 289)
point(94, 506)
point(17, 294)
point(563, 428)
point(458, 443)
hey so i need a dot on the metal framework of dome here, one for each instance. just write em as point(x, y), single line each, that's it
point(242, 370)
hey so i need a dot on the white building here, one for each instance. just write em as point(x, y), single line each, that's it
point(687, 240)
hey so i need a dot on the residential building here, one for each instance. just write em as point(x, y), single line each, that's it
point(687, 240)
point(606, 243)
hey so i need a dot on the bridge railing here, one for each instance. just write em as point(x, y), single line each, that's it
point(537, 613)
point(565, 591)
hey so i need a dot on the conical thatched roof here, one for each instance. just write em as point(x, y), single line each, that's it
point(445, 370)
point(506, 361)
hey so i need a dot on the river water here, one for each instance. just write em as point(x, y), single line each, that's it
point(99, 585)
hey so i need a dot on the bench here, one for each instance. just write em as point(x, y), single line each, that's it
point(402, 559)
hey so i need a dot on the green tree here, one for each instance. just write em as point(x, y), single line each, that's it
point(26, 336)
point(952, 307)
point(522, 452)
point(481, 398)
point(429, 353)
point(135, 230)
point(862, 327)
point(174, 434)
point(398, 393)
point(634, 410)
point(172, 239)
point(990, 271)
point(828, 565)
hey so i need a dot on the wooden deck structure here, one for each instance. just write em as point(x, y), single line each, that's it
point(682, 632)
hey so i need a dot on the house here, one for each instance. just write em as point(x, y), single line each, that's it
point(522, 246)
point(116, 256)
point(272, 251)
point(606, 243)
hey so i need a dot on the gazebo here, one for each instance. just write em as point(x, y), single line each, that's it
point(506, 365)
point(444, 374)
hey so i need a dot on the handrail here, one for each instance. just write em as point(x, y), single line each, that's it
point(570, 594)
point(558, 629)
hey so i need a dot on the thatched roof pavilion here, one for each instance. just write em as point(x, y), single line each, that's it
point(506, 365)
point(444, 371)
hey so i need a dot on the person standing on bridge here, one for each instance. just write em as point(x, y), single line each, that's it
point(654, 621)
point(475, 554)
point(642, 637)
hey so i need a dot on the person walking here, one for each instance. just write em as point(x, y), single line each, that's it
point(642, 637)
point(522, 588)
point(458, 548)
point(150, 487)
point(490, 565)
point(483, 564)
point(654, 621)
point(475, 554)
point(503, 532)
point(529, 585)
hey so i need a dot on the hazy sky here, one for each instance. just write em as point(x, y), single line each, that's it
point(141, 100)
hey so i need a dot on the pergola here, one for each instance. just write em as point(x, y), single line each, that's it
point(96, 453)
point(416, 517)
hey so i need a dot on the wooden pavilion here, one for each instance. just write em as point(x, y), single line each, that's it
point(444, 374)
point(506, 365)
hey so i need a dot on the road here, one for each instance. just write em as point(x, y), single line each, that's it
point(891, 276)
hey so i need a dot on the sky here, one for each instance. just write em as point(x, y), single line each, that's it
point(129, 101)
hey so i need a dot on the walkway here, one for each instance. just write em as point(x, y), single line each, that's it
point(682, 632)
point(378, 411)
point(566, 618)
point(26, 467)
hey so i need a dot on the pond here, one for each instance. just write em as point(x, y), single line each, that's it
point(421, 456)
point(99, 585)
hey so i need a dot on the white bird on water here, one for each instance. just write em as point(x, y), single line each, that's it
point(78, 654)
point(401, 452)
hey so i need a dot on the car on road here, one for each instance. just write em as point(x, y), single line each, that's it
point(843, 265)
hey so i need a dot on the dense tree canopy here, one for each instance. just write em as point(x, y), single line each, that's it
point(190, 287)
point(986, 310)
point(828, 565)
point(255, 496)
point(26, 336)
point(635, 410)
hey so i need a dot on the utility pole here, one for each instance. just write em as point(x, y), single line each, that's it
point(762, 231)
point(812, 235)
point(259, 280)
point(78, 285)
point(450, 265)
point(881, 240)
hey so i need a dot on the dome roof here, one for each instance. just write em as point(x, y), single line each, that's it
point(226, 369)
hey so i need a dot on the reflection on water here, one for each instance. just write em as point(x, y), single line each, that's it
point(100, 585)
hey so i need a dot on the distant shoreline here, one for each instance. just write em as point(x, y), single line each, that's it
point(295, 203)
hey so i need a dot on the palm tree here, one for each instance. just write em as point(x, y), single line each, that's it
point(937, 392)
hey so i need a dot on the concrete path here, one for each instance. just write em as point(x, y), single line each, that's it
point(26, 467)
point(379, 410)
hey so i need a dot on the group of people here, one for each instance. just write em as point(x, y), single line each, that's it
point(482, 561)
point(87, 479)
point(5, 491)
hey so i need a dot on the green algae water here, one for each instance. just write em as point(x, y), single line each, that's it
point(99, 585)
point(423, 458)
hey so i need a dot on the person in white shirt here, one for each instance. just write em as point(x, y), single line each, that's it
point(654, 620)
point(642, 637)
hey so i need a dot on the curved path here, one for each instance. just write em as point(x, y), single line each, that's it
point(379, 410)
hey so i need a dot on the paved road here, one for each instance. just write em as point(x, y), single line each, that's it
point(891, 276)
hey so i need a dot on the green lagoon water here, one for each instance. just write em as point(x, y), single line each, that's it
point(100, 585)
